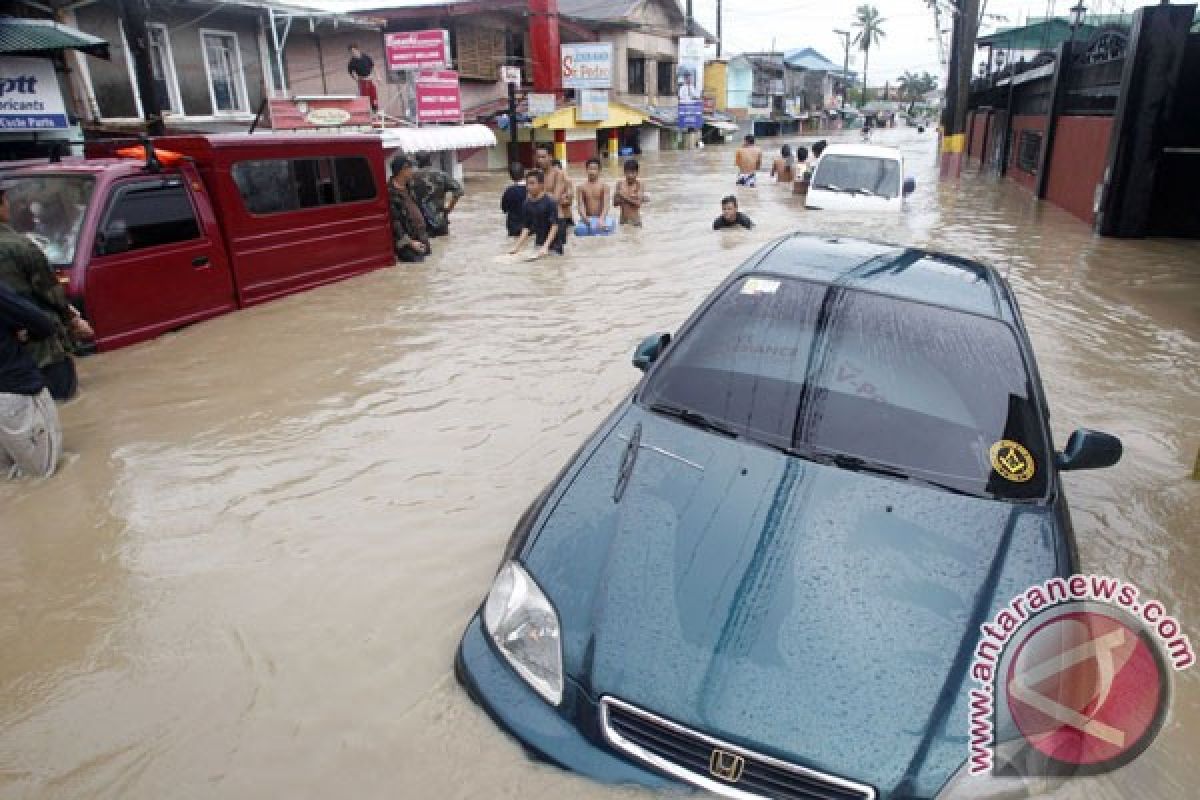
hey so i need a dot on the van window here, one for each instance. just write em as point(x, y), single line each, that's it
point(266, 186)
point(154, 214)
point(271, 186)
point(354, 179)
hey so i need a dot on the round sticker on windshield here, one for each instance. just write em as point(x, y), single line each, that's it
point(1012, 461)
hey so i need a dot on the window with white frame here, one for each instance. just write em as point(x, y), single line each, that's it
point(162, 63)
point(223, 64)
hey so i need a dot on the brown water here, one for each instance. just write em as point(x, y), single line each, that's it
point(250, 575)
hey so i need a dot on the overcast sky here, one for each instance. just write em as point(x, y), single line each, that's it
point(752, 25)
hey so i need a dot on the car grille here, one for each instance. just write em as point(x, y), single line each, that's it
point(691, 756)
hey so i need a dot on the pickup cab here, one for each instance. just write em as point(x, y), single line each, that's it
point(859, 177)
point(210, 224)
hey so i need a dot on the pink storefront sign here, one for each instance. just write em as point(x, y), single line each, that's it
point(438, 96)
point(417, 49)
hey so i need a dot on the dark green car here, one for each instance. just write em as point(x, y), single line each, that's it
point(765, 573)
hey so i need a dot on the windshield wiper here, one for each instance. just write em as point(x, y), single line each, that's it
point(829, 186)
point(859, 464)
point(694, 418)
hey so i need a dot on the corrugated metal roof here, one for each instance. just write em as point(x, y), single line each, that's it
point(44, 37)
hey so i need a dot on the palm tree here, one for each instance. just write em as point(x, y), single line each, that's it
point(870, 31)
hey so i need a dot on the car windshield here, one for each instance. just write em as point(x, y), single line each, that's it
point(863, 380)
point(49, 209)
point(858, 174)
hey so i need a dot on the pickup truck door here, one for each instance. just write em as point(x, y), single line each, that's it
point(158, 263)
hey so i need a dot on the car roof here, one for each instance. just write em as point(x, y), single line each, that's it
point(869, 150)
point(907, 272)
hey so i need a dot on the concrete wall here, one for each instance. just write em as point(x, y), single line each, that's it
point(1077, 163)
point(716, 83)
point(111, 79)
point(740, 84)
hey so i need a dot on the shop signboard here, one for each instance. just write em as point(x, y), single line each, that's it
point(409, 50)
point(438, 96)
point(30, 99)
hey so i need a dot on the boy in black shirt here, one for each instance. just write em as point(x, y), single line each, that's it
point(730, 216)
point(541, 217)
point(512, 203)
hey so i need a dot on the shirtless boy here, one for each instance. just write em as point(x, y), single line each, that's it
point(629, 196)
point(555, 179)
point(566, 200)
point(592, 201)
point(748, 159)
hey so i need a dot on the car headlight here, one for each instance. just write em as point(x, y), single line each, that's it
point(525, 628)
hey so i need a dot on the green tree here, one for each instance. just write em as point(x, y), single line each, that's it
point(913, 86)
point(870, 31)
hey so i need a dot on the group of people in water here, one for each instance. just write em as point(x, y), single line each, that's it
point(790, 168)
point(544, 205)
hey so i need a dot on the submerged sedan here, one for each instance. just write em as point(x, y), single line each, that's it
point(764, 574)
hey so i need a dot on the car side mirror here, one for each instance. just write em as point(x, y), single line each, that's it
point(650, 349)
point(1087, 449)
point(910, 186)
point(114, 239)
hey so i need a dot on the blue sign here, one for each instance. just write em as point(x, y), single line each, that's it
point(691, 114)
point(30, 99)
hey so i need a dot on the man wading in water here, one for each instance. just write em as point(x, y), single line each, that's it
point(748, 159)
point(592, 202)
point(541, 217)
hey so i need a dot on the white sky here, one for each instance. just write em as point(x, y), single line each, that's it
point(751, 25)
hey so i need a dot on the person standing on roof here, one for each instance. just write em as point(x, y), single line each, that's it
point(362, 70)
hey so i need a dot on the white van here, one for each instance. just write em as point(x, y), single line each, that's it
point(861, 177)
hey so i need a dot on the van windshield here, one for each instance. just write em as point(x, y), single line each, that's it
point(49, 209)
point(858, 175)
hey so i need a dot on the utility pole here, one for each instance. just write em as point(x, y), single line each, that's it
point(691, 26)
point(132, 17)
point(962, 56)
point(845, 64)
point(718, 28)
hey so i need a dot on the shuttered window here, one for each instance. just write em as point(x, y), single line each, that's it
point(479, 52)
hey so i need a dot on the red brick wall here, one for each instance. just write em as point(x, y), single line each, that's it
point(1077, 164)
point(1025, 122)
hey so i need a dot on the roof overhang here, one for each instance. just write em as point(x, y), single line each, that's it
point(619, 116)
point(45, 38)
point(436, 138)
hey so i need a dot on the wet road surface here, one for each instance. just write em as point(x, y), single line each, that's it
point(250, 575)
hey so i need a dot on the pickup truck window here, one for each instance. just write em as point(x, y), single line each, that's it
point(49, 209)
point(273, 186)
point(154, 214)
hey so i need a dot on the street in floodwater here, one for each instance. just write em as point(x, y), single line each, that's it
point(249, 577)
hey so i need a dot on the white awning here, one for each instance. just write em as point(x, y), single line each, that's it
point(438, 138)
point(721, 125)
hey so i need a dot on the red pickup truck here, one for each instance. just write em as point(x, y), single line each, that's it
point(212, 224)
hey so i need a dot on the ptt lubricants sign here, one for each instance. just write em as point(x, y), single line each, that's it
point(30, 99)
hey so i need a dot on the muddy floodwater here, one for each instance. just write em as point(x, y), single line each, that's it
point(249, 577)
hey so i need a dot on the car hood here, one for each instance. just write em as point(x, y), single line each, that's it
point(826, 200)
point(811, 613)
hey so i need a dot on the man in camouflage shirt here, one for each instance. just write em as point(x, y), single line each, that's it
point(430, 187)
point(409, 236)
point(25, 270)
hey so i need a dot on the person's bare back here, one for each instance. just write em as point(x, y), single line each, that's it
point(748, 159)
